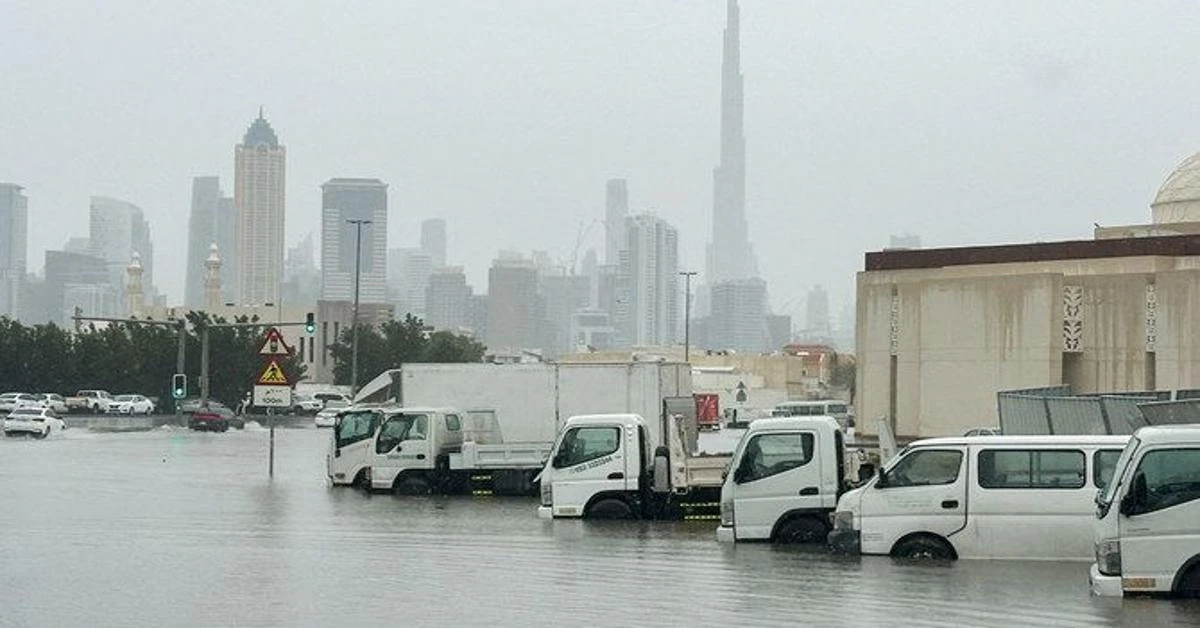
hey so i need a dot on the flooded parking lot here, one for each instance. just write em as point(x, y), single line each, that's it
point(174, 528)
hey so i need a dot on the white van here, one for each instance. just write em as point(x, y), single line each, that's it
point(835, 408)
point(1027, 497)
point(1150, 541)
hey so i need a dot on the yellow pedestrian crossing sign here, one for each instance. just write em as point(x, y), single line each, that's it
point(273, 375)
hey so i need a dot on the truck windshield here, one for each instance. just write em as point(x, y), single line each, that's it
point(399, 428)
point(355, 426)
point(1105, 496)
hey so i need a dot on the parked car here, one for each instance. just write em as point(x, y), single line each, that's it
point(54, 401)
point(36, 422)
point(12, 401)
point(130, 404)
point(190, 405)
point(94, 401)
point(304, 404)
point(326, 397)
point(215, 418)
point(328, 416)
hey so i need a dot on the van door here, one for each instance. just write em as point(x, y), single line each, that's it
point(590, 459)
point(778, 472)
point(1160, 535)
point(925, 490)
point(350, 445)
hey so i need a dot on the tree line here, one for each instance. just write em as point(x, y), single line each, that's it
point(137, 357)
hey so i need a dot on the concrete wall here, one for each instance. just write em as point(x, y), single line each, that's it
point(963, 333)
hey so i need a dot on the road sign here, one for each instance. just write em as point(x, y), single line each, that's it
point(273, 344)
point(273, 396)
point(273, 375)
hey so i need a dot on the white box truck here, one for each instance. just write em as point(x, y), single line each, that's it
point(1147, 526)
point(528, 402)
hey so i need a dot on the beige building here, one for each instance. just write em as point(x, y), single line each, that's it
point(259, 168)
point(941, 331)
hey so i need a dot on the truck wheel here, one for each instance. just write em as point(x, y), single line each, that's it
point(801, 530)
point(411, 486)
point(923, 547)
point(1189, 584)
point(609, 508)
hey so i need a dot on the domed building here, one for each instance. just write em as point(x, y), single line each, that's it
point(940, 332)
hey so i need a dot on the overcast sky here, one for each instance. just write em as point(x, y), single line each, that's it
point(964, 123)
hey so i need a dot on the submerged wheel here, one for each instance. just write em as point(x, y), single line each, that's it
point(1189, 584)
point(413, 485)
point(802, 530)
point(923, 548)
point(609, 508)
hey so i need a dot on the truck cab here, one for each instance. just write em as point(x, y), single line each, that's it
point(411, 443)
point(598, 468)
point(348, 461)
point(783, 481)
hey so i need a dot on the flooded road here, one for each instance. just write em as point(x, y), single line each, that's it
point(174, 528)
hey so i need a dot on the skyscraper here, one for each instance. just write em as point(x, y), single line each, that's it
point(616, 209)
point(433, 240)
point(14, 225)
point(514, 309)
point(817, 321)
point(409, 269)
point(647, 310)
point(259, 169)
point(729, 254)
point(343, 200)
point(213, 220)
point(118, 230)
point(448, 299)
point(738, 321)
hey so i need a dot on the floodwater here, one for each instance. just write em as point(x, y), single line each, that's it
point(174, 528)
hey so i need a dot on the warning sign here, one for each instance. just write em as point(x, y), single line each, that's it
point(273, 375)
point(273, 344)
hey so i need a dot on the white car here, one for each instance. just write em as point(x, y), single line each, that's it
point(12, 401)
point(328, 416)
point(36, 422)
point(303, 404)
point(130, 404)
point(55, 402)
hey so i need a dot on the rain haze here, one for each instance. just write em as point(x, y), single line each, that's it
point(958, 122)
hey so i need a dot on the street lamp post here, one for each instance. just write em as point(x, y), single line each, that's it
point(687, 312)
point(358, 224)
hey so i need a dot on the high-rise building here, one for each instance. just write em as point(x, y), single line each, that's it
point(77, 280)
point(616, 209)
point(433, 240)
point(409, 269)
point(259, 171)
point(564, 295)
point(118, 230)
point(344, 200)
point(448, 299)
point(817, 321)
point(14, 226)
point(647, 309)
point(213, 220)
point(738, 321)
point(301, 278)
point(514, 308)
point(730, 255)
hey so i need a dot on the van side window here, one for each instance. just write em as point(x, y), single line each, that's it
point(769, 454)
point(582, 444)
point(1172, 478)
point(1104, 463)
point(926, 467)
point(452, 423)
point(1032, 468)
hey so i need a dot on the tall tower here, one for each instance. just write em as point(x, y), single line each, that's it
point(212, 279)
point(343, 200)
point(133, 291)
point(616, 209)
point(729, 253)
point(14, 221)
point(213, 220)
point(259, 164)
point(433, 240)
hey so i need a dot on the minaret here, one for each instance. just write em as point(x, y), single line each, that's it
point(212, 280)
point(729, 255)
point(133, 290)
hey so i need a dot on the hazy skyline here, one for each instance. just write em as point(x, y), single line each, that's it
point(962, 123)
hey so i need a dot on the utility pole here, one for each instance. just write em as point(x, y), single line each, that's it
point(179, 366)
point(358, 224)
point(204, 365)
point(687, 312)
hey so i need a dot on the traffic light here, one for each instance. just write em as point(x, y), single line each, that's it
point(179, 385)
point(310, 325)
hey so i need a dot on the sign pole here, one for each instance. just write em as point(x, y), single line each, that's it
point(271, 456)
point(272, 390)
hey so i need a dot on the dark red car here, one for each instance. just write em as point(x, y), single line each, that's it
point(211, 419)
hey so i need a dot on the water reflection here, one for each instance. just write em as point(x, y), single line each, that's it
point(175, 528)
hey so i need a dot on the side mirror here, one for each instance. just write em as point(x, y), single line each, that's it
point(739, 475)
point(883, 479)
point(1135, 500)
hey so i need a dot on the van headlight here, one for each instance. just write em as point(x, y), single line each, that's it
point(843, 520)
point(727, 513)
point(547, 493)
point(1108, 557)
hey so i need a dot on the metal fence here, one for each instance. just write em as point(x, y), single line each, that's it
point(1055, 410)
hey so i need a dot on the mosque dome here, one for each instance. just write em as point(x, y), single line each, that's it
point(1178, 200)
